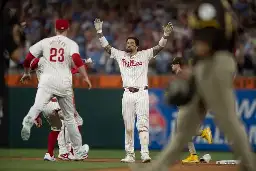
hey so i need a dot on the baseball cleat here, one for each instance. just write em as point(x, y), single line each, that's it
point(191, 159)
point(26, 129)
point(25, 133)
point(64, 157)
point(207, 134)
point(48, 157)
point(82, 153)
point(129, 158)
point(145, 158)
point(72, 157)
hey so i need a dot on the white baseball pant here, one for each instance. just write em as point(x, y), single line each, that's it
point(136, 104)
point(43, 97)
point(53, 115)
point(64, 142)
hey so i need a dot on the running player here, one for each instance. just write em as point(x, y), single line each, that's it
point(54, 116)
point(60, 53)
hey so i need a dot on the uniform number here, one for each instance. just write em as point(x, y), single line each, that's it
point(56, 55)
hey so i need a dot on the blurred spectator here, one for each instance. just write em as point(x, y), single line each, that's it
point(140, 18)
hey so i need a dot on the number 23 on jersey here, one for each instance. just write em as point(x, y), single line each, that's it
point(56, 55)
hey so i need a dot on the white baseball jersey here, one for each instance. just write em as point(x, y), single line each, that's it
point(52, 106)
point(134, 69)
point(40, 68)
point(56, 53)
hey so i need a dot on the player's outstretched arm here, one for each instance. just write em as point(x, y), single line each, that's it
point(167, 32)
point(34, 52)
point(26, 76)
point(81, 69)
point(103, 41)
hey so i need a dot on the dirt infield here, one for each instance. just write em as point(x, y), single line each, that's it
point(177, 167)
point(188, 167)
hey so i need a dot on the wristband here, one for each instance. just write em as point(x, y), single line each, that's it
point(162, 42)
point(103, 42)
point(99, 31)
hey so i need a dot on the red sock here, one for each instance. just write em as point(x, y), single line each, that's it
point(52, 139)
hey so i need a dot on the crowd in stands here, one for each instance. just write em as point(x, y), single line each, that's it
point(140, 18)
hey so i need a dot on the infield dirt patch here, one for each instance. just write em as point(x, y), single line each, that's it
point(177, 167)
point(188, 167)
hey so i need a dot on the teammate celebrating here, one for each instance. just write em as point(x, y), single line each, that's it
point(177, 65)
point(60, 53)
point(135, 102)
point(54, 116)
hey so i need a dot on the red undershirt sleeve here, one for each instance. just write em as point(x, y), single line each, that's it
point(77, 60)
point(28, 60)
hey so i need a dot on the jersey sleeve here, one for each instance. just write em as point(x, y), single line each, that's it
point(74, 49)
point(34, 63)
point(148, 53)
point(115, 53)
point(37, 49)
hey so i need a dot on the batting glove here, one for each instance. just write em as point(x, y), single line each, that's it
point(168, 29)
point(98, 25)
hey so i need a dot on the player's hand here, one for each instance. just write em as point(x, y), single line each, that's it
point(168, 29)
point(25, 77)
point(38, 122)
point(88, 82)
point(98, 25)
point(88, 61)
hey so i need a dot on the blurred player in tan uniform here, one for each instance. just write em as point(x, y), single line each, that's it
point(133, 66)
point(177, 64)
point(208, 86)
point(60, 54)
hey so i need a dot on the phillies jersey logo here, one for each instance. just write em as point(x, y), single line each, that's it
point(131, 63)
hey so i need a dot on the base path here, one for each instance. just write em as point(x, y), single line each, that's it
point(188, 167)
point(177, 167)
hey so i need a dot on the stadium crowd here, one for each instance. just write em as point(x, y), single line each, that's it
point(140, 18)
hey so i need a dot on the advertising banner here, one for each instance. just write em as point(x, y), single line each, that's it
point(162, 122)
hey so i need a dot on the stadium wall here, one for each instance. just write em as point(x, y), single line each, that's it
point(103, 124)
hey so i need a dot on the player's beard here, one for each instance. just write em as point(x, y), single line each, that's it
point(129, 50)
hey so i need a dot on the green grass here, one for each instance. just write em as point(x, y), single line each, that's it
point(9, 164)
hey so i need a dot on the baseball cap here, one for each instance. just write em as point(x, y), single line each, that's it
point(61, 24)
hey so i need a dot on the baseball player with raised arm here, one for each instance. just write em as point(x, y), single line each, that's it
point(60, 54)
point(133, 66)
point(54, 116)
